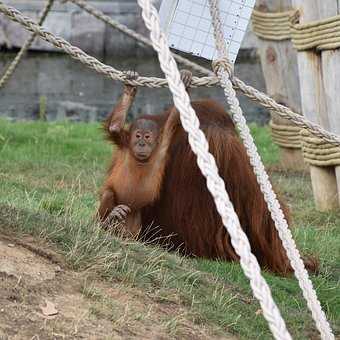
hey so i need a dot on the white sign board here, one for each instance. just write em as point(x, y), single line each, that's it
point(187, 24)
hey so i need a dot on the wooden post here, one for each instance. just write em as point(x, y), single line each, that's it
point(279, 65)
point(331, 75)
point(316, 98)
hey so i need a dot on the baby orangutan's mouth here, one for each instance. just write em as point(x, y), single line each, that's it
point(142, 157)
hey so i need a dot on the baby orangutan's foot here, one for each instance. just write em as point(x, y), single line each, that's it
point(119, 213)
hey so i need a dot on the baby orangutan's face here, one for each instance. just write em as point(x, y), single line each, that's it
point(144, 135)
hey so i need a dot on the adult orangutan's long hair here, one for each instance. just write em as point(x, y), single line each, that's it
point(185, 214)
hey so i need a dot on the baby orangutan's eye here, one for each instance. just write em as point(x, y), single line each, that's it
point(147, 137)
point(138, 135)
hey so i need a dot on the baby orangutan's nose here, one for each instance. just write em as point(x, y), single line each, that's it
point(141, 143)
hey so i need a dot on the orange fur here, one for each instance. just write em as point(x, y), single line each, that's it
point(130, 182)
point(185, 215)
point(135, 184)
point(168, 194)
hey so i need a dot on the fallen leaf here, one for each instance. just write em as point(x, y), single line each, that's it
point(258, 312)
point(58, 269)
point(49, 309)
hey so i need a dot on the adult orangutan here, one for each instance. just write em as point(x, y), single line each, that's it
point(185, 216)
point(181, 211)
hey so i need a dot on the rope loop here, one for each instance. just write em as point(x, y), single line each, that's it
point(223, 64)
point(286, 136)
point(317, 152)
point(273, 26)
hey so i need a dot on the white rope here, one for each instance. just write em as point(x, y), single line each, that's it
point(207, 165)
point(224, 72)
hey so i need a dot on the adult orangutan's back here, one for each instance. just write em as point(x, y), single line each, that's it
point(187, 211)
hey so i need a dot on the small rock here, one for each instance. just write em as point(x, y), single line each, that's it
point(57, 269)
point(11, 245)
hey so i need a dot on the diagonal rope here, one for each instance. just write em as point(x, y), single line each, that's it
point(208, 167)
point(91, 62)
point(247, 90)
point(224, 71)
point(12, 67)
point(154, 82)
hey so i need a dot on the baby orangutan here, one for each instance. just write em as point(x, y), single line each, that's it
point(135, 176)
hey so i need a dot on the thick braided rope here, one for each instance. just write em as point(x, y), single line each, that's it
point(91, 62)
point(285, 112)
point(249, 91)
point(110, 72)
point(318, 152)
point(208, 167)
point(287, 136)
point(11, 68)
point(272, 26)
point(223, 70)
point(321, 34)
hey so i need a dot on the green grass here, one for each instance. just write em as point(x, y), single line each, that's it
point(49, 178)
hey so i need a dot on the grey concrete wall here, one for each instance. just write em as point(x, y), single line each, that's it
point(73, 24)
point(83, 30)
point(73, 91)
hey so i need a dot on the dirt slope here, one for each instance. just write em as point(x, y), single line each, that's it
point(32, 278)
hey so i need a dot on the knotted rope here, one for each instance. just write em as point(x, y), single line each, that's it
point(153, 82)
point(11, 68)
point(222, 70)
point(272, 26)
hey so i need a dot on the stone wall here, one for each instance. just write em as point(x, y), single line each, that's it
point(69, 88)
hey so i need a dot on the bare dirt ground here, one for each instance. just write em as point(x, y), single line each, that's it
point(41, 299)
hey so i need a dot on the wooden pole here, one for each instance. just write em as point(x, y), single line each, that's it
point(331, 74)
point(315, 105)
point(279, 65)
